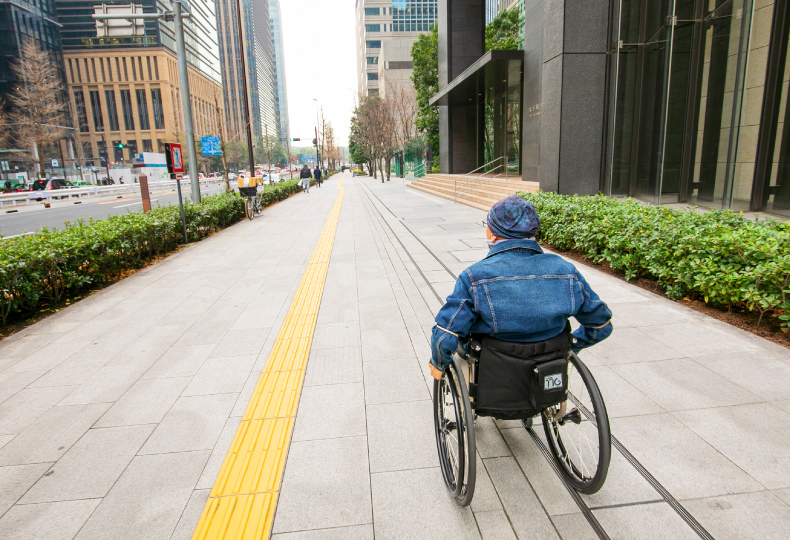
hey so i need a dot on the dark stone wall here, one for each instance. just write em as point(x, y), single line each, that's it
point(461, 43)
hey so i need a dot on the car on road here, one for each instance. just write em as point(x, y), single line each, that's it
point(16, 187)
point(50, 184)
point(232, 176)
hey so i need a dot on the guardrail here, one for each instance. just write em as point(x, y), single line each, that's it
point(28, 197)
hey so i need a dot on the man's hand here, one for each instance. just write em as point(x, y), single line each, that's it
point(436, 373)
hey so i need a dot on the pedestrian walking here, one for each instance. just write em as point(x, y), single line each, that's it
point(304, 178)
point(317, 175)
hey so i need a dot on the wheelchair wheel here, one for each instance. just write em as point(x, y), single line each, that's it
point(248, 207)
point(455, 433)
point(578, 431)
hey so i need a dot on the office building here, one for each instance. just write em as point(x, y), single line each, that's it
point(259, 66)
point(21, 20)
point(385, 32)
point(123, 77)
point(668, 102)
point(280, 96)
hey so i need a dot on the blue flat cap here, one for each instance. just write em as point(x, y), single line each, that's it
point(513, 218)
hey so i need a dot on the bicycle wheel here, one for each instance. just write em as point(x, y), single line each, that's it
point(258, 207)
point(455, 434)
point(578, 431)
point(248, 207)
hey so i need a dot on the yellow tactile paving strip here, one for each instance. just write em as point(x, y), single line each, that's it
point(243, 500)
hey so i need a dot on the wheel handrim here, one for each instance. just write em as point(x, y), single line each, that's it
point(450, 437)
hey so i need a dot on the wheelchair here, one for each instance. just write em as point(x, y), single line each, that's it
point(549, 382)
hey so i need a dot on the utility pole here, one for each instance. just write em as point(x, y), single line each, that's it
point(222, 143)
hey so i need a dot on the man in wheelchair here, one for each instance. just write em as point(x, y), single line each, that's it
point(517, 293)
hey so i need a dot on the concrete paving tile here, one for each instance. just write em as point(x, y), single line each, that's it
point(521, 505)
point(486, 498)
point(179, 362)
point(381, 345)
point(50, 521)
point(329, 477)
point(15, 480)
point(27, 345)
point(246, 393)
point(620, 396)
point(683, 384)
point(191, 515)
point(47, 357)
point(494, 525)
point(75, 370)
point(542, 478)
point(758, 449)
point(330, 335)
point(574, 527)
point(26, 406)
point(655, 521)
point(167, 482)
point(680, 459)
point(414, 504)
point(488, 440)
point(651, 313)
point(214, 464)
point(400, 436)
point(783, 494)
point(394, 381)
point(735, 367)
point(631, 345)
point(241, 342)
point(146, 402)
point(90, 467)
point(223, 375)
point(334, 366)
point(388, 315)
point(701, 339)
point(330, 411)
point(49, 437)
point(624, 485)
point(5, 439)
point(108, 384)
point(257, 317)
point(206, 330)
point(748, 516)
point(193, 423)
point(11, 383)
point(357, 532)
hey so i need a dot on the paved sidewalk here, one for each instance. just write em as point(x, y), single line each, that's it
point(117, 413)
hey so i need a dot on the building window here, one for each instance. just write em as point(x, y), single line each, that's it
point(82, 118)
point(156, 68)
point(98, 120)
point(372, 28)
point(79, 73)
point(375, 44)
point(147, 146)
point(156, 101)
point(71, 70)
point(112, 109)
point(132, 146)
point(109, 69)
point(150, 74)
point(142, 108)
point(373, 91)
point(125, 71)
point(134, 68)
point(118, 67)
point(373, 76)
point(126, 105)
point(372, 11)
point(372, 60)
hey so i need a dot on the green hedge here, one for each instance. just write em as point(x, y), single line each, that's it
point(42, 268)
point(719, 256)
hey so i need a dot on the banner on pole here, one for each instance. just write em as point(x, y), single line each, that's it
point(211, 146)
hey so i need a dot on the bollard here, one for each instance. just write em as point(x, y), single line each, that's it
point(144, 193)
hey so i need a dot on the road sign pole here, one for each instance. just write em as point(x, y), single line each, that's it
point(183, 82)
point(181, 207)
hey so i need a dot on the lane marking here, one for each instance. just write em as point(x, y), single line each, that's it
point(242, 502)
point(125, 205)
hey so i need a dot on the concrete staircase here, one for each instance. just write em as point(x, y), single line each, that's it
point(477, 191)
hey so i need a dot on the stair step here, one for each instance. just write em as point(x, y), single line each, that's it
point(478, 191)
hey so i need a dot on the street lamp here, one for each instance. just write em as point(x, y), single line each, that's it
point(317, 156)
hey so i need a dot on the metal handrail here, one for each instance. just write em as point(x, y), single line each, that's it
point(485, 179)
point(474, 171)
point(422, 166)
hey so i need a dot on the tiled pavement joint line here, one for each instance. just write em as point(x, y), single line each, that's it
point(243, 500)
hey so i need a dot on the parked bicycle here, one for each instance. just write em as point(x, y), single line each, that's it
point(252, 203)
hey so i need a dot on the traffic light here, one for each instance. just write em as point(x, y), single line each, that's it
point(294, 140)
point(315, 142)
point(120, 145)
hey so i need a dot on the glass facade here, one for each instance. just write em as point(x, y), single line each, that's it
point(82, 117)
point(156, 102)
point(698, 103)
point(414, 16)
point(128, 115)
point(281, 96)
point(112, 109)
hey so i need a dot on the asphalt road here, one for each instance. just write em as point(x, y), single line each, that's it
point(32, 217)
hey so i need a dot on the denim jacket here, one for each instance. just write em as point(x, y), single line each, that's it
point(518, 293)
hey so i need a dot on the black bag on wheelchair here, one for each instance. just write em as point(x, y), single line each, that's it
point(519, 380)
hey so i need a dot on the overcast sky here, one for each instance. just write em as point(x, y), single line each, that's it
point(320, 63)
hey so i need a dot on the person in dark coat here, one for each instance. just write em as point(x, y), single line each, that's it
point(317, 175)
point(304, 178)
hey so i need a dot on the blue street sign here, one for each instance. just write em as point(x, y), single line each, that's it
point(307, 159)
point(211, 146)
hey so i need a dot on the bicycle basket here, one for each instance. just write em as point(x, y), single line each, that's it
point(248, 191)
point(519, 380)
